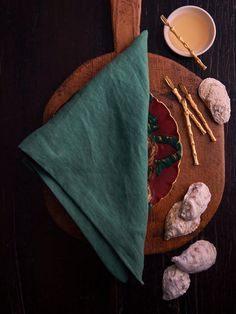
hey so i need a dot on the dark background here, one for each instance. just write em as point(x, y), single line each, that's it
point(42, 269)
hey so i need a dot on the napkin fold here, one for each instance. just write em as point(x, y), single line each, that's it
point(93, 156)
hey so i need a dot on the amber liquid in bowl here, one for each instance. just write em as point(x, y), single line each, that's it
point(193, 28)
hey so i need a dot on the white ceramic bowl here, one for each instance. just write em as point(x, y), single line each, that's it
point(209, 27)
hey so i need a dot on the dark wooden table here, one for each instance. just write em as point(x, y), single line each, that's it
point(42, 269)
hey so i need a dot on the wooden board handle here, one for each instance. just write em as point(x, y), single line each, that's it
point(125, 21)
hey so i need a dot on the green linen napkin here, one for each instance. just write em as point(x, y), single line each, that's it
point(93, 156)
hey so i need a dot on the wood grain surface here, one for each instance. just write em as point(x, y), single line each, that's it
point(42, 269)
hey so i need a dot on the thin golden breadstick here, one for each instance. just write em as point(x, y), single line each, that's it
point(185, 106)
point(195, 107)
point(192, 116)
point(193, 54)
point(187, 119)
point(190, 134)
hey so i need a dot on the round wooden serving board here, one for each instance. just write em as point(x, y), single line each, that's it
point(126, 21)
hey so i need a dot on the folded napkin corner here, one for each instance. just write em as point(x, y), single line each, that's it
point(93, 156)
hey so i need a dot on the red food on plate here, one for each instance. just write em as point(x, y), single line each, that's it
point(164, 151)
